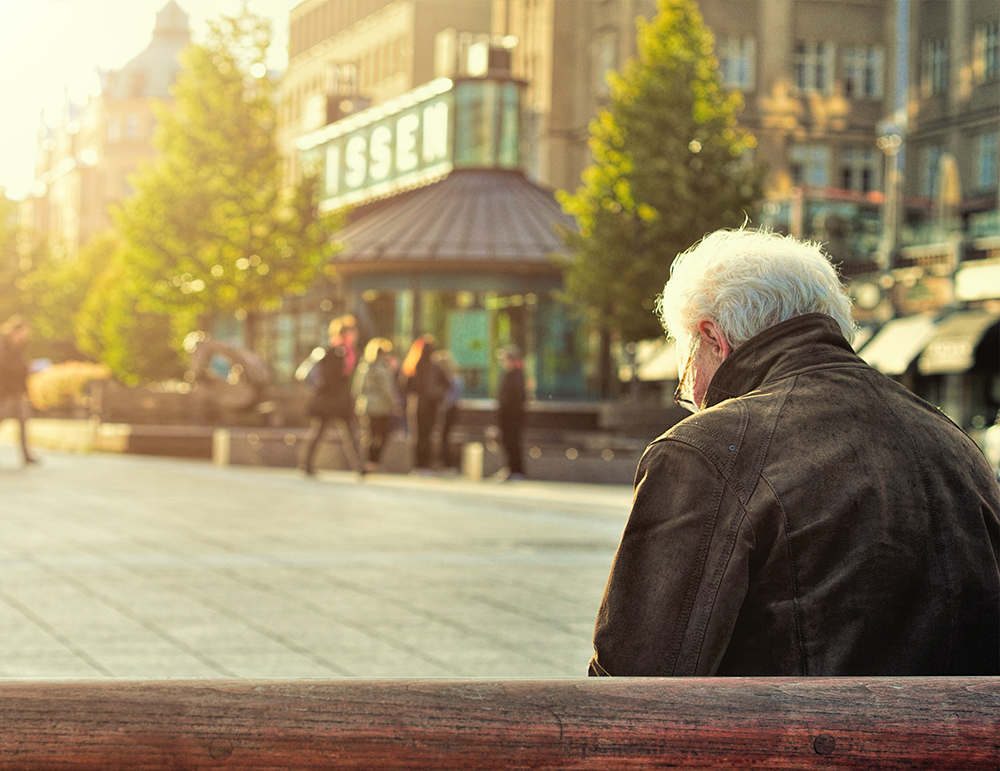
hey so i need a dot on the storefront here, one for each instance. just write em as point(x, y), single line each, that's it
point(446, 236)
point(951, 359)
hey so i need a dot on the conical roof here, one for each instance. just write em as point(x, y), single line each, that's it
point(482, 219)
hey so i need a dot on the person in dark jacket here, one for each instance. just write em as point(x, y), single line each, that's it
point(425, 381)
point(14, 369)
point(332, 400)
point(813, 517)
point(511, 413)
point(448, 452)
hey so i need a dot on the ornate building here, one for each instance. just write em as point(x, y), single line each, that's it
point(410, 113)
point(82, 165)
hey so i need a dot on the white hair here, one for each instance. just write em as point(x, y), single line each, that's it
point(748, 280)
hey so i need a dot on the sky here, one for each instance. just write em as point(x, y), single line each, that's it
point(49, 47)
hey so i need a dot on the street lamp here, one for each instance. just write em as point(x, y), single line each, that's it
point(890, 142)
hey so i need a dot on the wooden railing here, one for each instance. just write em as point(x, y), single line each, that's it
point(845, 723)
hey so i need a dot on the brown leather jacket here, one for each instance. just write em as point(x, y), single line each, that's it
point(816, 519)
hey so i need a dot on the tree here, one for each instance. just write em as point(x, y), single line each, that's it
point(111, 326)
point(210, 228)
point(669, 167)
point(9, 272)
point(35, 284)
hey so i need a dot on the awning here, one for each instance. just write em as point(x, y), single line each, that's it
point(952, 349)
point(898, 343)
point(484, 219)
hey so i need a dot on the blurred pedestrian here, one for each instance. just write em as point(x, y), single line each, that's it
point(511, 413)
point(448, 409)
point(426, 383)
point(813, 517)
point(377, 398)
point(14, 367)
point(332, 400)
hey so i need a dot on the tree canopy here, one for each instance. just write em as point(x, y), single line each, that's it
point(113, 327)
point(210, 228)
point(37, 285)
point(670, 164)
point(12, 264)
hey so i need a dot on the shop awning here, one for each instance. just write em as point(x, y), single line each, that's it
point(474, 218)
point(952, 349)
point(898, 343)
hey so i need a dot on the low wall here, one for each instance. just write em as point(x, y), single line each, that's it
point(587, 461)
point(81, 435)
point(566, 456)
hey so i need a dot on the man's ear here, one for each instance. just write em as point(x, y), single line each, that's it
point(713, 336)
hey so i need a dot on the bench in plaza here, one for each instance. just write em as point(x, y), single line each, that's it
point(822, 723)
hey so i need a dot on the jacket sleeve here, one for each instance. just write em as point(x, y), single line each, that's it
point(360, 379)
point(680, 574)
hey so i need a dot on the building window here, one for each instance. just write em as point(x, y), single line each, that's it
point(863, 72)
point(986, 51)
point(814, 66)
point(810, 165)
point(930, 164)
point(132, 126)
point(934, 67)
point(859, 169)
point(114, 129)
point(737, 59)
point(986, 161)
point(605, 58)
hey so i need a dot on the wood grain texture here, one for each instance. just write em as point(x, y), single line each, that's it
point(844, 723)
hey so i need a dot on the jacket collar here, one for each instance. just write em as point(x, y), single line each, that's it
point(783, 350)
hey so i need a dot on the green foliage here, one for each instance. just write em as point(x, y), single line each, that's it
point(210, 228)
point(64, 385)
point(14, 263)
point(113, 327)
point(669, 167)
point(42, 288)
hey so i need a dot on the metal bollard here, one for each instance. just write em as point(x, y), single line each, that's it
point(222, 442)
point(472, 460)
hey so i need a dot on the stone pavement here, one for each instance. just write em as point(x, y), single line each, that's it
point(137, 567)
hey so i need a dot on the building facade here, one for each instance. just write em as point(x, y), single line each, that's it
point(564, 50)
point(83, 163)
point(413, 116)
point(345, 55)
point(816, 78)
point(935, 300)
point(876, 119)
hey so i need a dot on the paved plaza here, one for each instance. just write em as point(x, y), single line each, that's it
point(139, 567)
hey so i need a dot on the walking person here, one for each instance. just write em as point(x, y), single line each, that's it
point(813, 517)
point(332, 401)
point(427, 384)
point(377, 398)
point(511, 412)
point(14, 367)
point(448, 410)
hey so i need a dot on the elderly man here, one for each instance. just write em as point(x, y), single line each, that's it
point(813, 517)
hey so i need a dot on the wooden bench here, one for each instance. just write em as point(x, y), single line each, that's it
point(846, 723)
